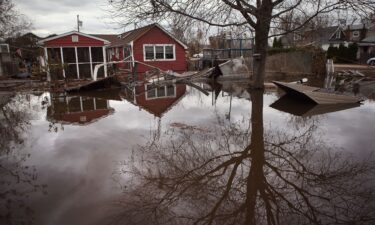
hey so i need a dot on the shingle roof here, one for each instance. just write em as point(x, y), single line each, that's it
point(125, 38)
point(369, 39)
point(109, 37)
point(132, 35)
point(136, 33)
point(359, 26)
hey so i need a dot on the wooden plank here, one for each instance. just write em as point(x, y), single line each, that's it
point(313, 94)
point(292, 106)
point(105, 83)
point(297, 87)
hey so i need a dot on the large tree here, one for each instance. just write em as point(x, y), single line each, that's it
point(243, 172)
point(260, 15)
point(11, 21)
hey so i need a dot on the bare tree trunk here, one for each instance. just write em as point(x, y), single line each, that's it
point(262, 29)
point(256, 174)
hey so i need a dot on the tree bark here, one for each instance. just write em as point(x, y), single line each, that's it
point(256, 174)
point(262, 29)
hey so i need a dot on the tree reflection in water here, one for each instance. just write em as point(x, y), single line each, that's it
point(238, 174)
point(17, 179)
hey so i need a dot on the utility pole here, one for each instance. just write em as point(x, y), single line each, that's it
point(79, 23)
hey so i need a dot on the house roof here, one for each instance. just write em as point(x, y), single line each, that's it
point(73, 32)
point(359, 26)
point(159, 110)
point(109, 37)
point(132, 35)
point(369, 39)
point(321, 35)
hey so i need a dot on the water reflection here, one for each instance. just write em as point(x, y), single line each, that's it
point(89, 107)
point(192, 165)
point(18, 180)
point(307, 109)
point(239, 173)
point(77, 110)
point(157, 100)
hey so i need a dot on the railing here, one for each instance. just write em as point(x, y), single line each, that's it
point(211, 54)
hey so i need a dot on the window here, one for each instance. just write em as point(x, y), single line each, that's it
point(355, 33)
point(74, 38)
point(169, 52)
point(338, 34)
point(149, 53)
point(4, 48)
point(159, 52)
point(160, 92)
point(297, 37)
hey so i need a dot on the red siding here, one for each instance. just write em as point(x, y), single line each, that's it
point(90, 116)
point(67, 41)
point(158, 106)
point(157, 36)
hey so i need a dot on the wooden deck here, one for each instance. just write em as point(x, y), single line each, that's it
point(294, 107)
point(314, 94)
point(104, 83)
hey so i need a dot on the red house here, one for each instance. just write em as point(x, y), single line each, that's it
point(77, 110)
point(156, 100)
point(152, 45)
point(79, 53)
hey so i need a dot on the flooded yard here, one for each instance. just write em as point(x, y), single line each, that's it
point(174, 155)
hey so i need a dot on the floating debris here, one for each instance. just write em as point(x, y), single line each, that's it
point(315, 94)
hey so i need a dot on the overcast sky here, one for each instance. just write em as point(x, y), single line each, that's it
point(60, 16)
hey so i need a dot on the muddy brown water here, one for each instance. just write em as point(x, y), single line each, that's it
point(176, 156)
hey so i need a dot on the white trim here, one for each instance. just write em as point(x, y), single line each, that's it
point(81, 103)
point(132, 52)
point(62, 60)
point(163, 45)
point(92, 72)
point(156, 92)
point(105, 61)
point(72, 46)
point(94, 99)
point(70, 33)
point(76, 52)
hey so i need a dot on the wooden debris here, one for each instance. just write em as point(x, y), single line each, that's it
point(295, 107)
point(315, 94)
point(105, 83)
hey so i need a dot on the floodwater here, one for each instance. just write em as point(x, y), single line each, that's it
point(175, 155)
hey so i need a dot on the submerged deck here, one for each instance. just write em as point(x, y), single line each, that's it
point(314, 94)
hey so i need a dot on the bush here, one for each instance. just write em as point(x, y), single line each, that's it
point(343, 54)
point(277, 43)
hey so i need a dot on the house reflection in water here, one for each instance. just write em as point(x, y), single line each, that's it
point(78, 110)
point(157, 100)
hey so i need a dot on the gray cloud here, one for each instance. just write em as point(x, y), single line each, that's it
point(60, 16)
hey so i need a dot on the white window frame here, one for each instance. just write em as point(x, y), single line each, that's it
point(163, 45)
point(156, 92)
point(338, 34)
point(355, 33)
point(7, 46)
